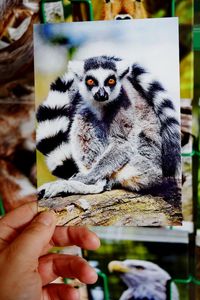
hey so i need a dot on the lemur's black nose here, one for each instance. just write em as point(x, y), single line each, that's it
point(101, 95)
point(123, 17)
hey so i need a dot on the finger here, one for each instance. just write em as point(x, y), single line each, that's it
point(75, 235)
point(13, 222)
point(52, 266)
point(30, 243)
point(60, 292)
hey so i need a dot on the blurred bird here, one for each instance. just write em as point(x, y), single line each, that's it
point(145, 280)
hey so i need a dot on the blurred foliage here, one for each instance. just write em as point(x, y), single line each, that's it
point(67, 10)
point(122, 249)
point(184, 10)
point(160, 13)
point(71, 52)
point(187, 76)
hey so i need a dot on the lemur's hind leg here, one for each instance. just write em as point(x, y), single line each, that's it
point(137, 177)
point(66, 187)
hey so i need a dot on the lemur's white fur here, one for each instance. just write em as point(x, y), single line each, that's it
point(51, 127)
point(56, 98)
point(57, 156)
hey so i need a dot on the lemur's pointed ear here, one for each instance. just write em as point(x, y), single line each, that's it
point(76, 67)
point(123, 68)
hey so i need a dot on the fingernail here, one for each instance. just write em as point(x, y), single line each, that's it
point(46, 218)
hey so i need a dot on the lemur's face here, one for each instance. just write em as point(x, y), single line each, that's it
point(101, 85)
point(99, 78)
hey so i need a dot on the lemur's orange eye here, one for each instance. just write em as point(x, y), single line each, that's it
point(111, 81)
point(90, 82)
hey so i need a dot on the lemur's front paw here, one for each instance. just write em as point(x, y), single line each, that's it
point(63, 187)
point(52, 189)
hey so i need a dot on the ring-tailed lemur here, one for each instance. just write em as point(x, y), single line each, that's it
point(114, 123)
point(55, 116)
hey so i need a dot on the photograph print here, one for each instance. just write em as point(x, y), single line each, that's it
point(108, 122)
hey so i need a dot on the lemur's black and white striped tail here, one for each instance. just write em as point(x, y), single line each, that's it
point(54, 118)
point(156, 96)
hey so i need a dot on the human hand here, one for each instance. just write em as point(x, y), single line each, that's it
point(26, 268)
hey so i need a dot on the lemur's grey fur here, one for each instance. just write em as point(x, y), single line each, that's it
point(113, 126)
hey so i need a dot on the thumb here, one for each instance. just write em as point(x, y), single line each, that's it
point(30, 243)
